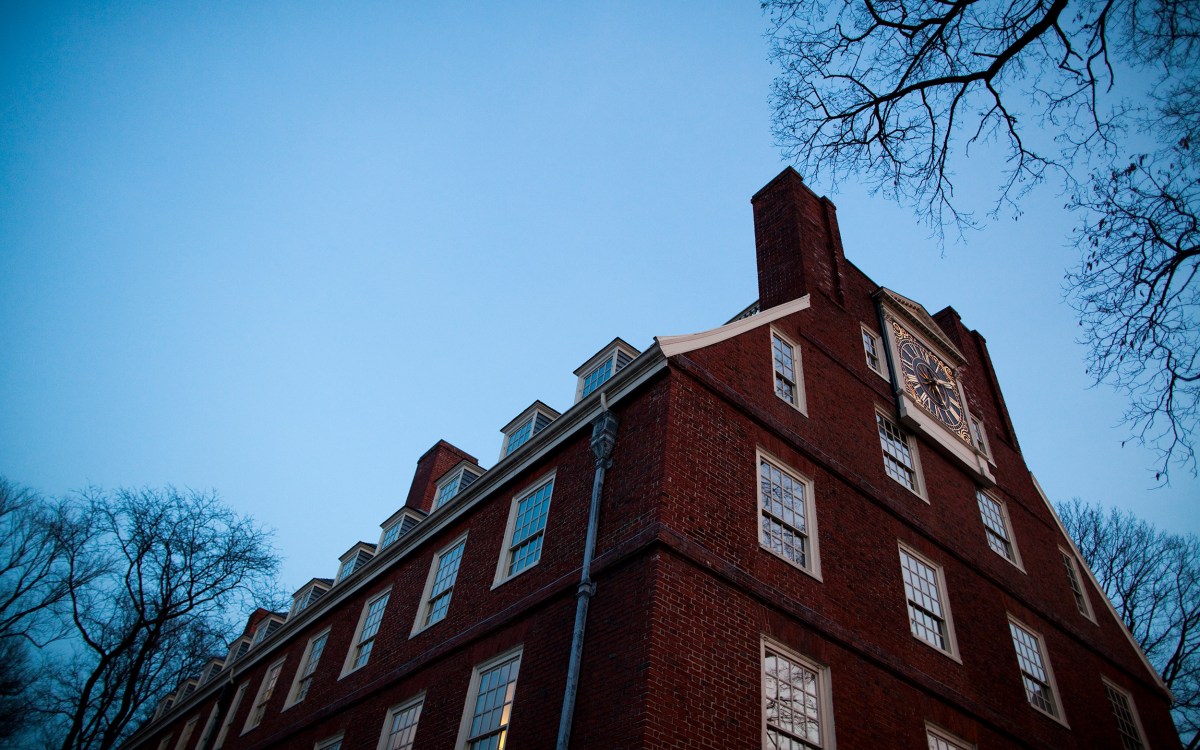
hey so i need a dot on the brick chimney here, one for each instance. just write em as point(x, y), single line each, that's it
point(439, 459)
point(797, 242)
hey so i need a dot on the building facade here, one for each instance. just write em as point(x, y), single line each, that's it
point(811, 527)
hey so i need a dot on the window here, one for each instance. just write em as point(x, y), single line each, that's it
point(455, 482)
point(308, 668)
point(979, 436)
point(188, 729)
point(1035, 670)
point(1129, 726)
point(305, 597)
point(788, 371)
point(364, 636)
point(873, 349)
point(397, 526)
point(164, 743)
point(603, 365)
point(265, 628)
point(928, 607)
point(489, 704)
point(356, 557)
point(796, 709)
point(786, 515)
point(233, 707)
point(899, 456)
point(526, 527)
point(237, 649)
point(209, 725)
point(400, 727)
point(439, 585)
point(996, 527)
point(264, 694)
point(333, 743)
point(940, 739)
point(1081, 601)
point(527, 424)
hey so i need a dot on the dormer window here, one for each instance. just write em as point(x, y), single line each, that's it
point(398, 525)
point(211, 670)
point(529, 423)
point(312, 591)
point(237, 649)
point(187, 688)
point(269, 625)
point(356, 557)
point(603, 365)
point(455, 481)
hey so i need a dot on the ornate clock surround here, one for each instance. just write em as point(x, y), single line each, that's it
point(925, 377)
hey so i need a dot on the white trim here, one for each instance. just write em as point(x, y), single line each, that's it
point(295, 688)
point(880, 354)
point(672, 345)
point(260, 699)
point(502, 576)
point(951, 649)
point(1158, 680)
point(1044, 653)
point(227, 724)
point(434, 566)
point(824, 690)
point(1015, 560)
point(417, 701)
point(911, 442)
point(946, 736)
point(352, 652)
point(799, 401)
point(328, 742)
point(464, 726)
point(813, 563)
point(1083, 604)
point(1133, 712)
point(186, 734)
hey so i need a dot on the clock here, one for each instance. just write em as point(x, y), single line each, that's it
point(931, 383)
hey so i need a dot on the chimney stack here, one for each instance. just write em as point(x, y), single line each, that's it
point(439, 459)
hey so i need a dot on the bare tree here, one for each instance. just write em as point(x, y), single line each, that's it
point(897, 92)
point(1152, 578)
point(176, 568)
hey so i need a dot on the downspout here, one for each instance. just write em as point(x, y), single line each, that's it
point(604, 437)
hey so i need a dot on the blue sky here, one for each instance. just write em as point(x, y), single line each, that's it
point(279, 250)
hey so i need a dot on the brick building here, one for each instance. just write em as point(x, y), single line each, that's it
point(811, 527)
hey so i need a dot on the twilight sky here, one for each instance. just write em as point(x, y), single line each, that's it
point(280, 249)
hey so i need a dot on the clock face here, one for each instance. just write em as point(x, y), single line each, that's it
point(931, 383)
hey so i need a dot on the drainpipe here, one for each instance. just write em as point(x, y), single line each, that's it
point(604, 437)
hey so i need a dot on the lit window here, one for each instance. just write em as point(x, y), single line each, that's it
point(996, 526)
point(308, 667)
point(788, 371)
point(439, 586)
point(873, 350)
point(228, 722)
point(786, 516)
point(1035, 670)
point(899, 459)
point(489, 704)
point(1128, 724)
point(1081, 601)
point(795, 701)
point(455, 482)
point(264, 694)
point(400, 727)
point(368, 628)
point(940, 739)
point(928, 609)
point(526, 528)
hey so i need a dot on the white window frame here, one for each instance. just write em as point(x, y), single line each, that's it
point(330, 742)
point(1111, 687)
point(943, 601)
point(933, 731)
point(1044, 655)
point(302, 599)
point(1006, 527)
point(418, 702)
point(435, 567)
point(165, 742)
point(266, 689)
point(464, 727)
point(232, 656)
point(1083, 603)
point(812, 564)
point(824, 691)
point(227, 724)
point(293, 696)
point(455, 476)
point(913, 452)
point(979, 438)
point(880, 355)
point(209, 725)
point(355, 644)
point(799, 401)
point(186, 734)
point(506, 551)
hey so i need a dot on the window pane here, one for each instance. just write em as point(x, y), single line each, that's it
point(493, 705)
point(784, 513)
point(528, 527)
